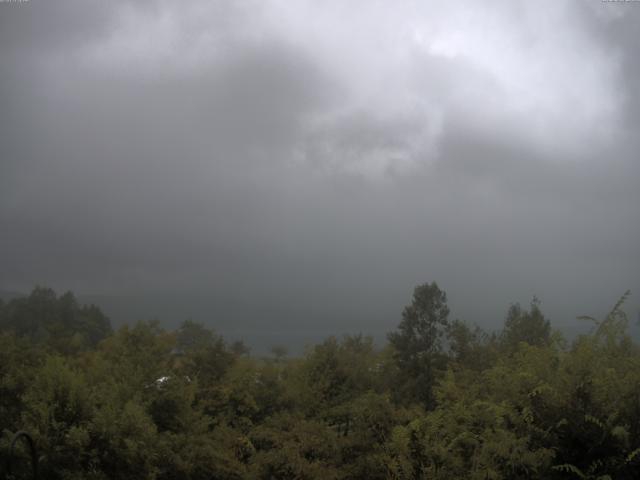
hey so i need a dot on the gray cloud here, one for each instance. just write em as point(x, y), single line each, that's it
point(303, 166)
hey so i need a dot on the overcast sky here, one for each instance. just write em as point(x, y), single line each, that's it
point(302, 165)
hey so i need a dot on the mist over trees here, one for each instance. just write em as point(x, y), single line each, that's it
point(441, 399)
point(262, 176)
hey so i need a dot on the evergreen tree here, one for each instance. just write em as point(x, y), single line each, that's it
point(526, 326)
point(418, 340)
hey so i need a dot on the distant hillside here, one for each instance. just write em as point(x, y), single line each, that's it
point(261, 326)
point(6, 295)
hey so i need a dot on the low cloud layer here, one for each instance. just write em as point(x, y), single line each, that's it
point(302, 165)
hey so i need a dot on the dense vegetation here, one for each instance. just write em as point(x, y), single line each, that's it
point(441, 400)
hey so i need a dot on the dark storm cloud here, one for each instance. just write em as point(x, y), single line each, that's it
point(303, 173)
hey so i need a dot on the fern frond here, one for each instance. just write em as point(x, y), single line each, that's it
point(591, 419)
point(633, 455)
point(619, 303)
point(595, 465)
point(568, 468)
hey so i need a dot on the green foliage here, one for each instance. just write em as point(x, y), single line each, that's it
point(525, 326)
point(59, 322)
point(418, 344)
point(470, 348)
point(290, 446)
point(440, 401)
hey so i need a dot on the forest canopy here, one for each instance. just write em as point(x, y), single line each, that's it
point(441, 399)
